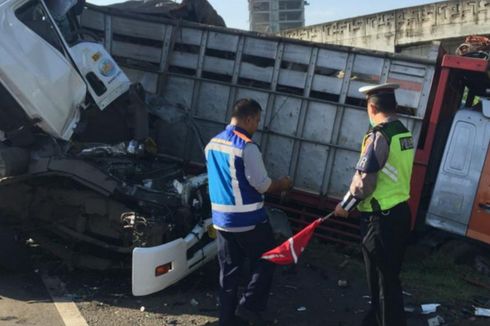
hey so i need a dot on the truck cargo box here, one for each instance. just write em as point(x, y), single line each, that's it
point(314, 117)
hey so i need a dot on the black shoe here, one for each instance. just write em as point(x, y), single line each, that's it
point(254, 318)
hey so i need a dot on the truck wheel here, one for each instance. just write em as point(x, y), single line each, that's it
point(13, 161)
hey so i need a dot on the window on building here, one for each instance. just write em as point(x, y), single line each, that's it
point(288, 16)
point(261, 6)
point(261, 18)
point(290, 4)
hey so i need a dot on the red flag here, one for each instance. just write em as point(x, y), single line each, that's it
point(290, 250)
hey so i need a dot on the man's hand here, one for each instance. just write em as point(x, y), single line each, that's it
point(339, 211)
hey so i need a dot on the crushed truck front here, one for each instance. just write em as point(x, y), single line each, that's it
point(80, 172)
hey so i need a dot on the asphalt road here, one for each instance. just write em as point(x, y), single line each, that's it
point(24, 300)
point(307, 295)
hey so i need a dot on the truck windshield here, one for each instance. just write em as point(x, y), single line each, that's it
point(34, 16)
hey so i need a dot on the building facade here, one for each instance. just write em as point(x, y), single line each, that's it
point(397, 30)
point(272, 16)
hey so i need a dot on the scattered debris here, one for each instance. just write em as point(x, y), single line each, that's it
point(194, 302)
point(342, 283)
point(344, 263)
point(482, 312)
point(410, 308)
point(117, 295)
point(290, 287)
point(481, 301)
point(429, 308)
point(142, 308)
point(31, 243)
point(436, 321)
point(302, 308)
point(408, 294)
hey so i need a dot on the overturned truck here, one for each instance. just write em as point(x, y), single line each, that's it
point(104, 115)
point(96, 168)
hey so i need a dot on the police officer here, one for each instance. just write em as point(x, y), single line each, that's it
point(380, 189)
point(237, 181)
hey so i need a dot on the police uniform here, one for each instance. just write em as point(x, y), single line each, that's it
point(243, 230)
point(380, 189)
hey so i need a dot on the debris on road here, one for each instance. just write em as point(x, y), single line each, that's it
point(344, 263)
point(482, 312)
point(142, 308)
point(302, 308)
point(436, 321)
point(194, 302)
point(410, 308)
point(429, 308)
point(342, 283)
point(291, 287)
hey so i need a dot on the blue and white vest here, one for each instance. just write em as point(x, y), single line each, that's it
point(234, 202)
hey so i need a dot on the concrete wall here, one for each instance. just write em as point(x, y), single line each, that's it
point(391, 30)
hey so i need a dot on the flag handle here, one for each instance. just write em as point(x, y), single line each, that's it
point(323, 219)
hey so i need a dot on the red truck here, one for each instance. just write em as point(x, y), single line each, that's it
point(450, 188)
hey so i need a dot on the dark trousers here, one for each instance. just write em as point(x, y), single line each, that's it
point(233, 249)
point(384, 240)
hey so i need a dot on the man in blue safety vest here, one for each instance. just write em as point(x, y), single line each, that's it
point(237, 181)
point(380, 190)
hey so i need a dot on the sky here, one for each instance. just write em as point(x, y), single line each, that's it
point(235, 12)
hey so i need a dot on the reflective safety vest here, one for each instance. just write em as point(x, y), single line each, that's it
point(234, 202)
point(393, 182)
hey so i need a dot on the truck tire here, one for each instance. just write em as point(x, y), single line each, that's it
point(13, 161)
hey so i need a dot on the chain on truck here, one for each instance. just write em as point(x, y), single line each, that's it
point(106, 109)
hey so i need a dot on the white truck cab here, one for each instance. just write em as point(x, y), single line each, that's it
point(68, 74)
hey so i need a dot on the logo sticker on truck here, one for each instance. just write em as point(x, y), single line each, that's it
point(107, 68)
point(96, 56)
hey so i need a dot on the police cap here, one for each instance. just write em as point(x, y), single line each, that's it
point(381, 89)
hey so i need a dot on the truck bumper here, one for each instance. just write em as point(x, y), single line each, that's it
point(155, 268)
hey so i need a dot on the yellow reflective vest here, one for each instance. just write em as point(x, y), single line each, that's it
point(393, 182)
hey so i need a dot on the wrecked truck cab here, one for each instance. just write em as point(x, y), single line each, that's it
point(79, 171)
point(35, 71)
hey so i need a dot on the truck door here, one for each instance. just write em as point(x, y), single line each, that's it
point(479, 227)
point(460, 174)
point(35, 70)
